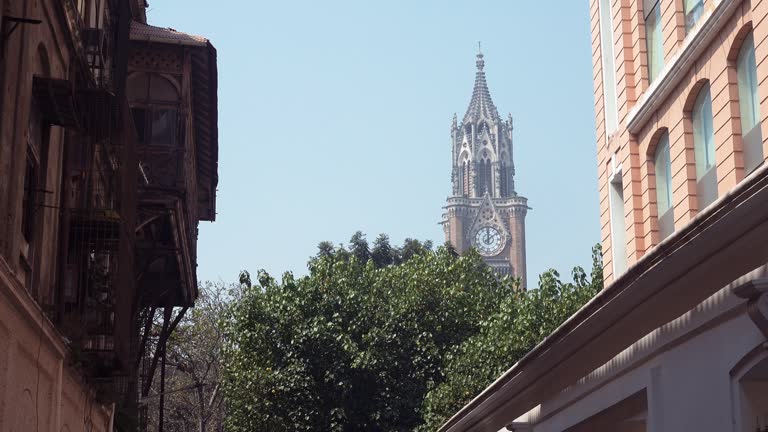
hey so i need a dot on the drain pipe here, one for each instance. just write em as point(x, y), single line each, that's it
point(756, 293)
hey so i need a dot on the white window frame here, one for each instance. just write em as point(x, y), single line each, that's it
point(618, 225)
point(610, 100)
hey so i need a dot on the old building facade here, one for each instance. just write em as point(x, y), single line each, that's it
point(484, 211)
point(96, 238)
point(678, 339)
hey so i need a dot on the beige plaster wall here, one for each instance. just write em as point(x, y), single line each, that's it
point(689, 385)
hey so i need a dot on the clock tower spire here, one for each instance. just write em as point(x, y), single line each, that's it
point(484, 211)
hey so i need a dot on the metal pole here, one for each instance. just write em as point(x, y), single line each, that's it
point(162, 390)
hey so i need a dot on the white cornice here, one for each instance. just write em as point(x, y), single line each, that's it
point(677, 67)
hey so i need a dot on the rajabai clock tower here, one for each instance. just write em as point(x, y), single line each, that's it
point(484, 211)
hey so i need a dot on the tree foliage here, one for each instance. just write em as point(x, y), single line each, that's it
point(354, 345)
point(193, 398)
point(381, 338)
point(520, 323)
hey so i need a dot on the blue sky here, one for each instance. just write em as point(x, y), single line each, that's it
point(334, 117)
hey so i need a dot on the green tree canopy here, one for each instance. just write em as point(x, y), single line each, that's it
point(379, 338)
point(518, 325)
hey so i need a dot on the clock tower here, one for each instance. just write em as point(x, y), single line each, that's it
point(484, 211)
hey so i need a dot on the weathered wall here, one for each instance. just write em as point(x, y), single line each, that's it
point(38, 389)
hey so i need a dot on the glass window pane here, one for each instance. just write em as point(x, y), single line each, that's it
point(654, 43)
point(663, 170)
point(663, 175)
point(703, 133)
point(163, 132)
point(618, 232)
point(749, 105)
point(694, 9)
point(704, 149)
point(747, 71)
point(609, 67)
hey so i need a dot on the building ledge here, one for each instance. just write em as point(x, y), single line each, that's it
point(677, 67)
point(498, 202)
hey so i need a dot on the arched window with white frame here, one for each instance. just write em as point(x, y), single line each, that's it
point(704, 148)
point(749, 105)
point(663, 173)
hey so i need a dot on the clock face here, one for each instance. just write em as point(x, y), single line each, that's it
point(488, 240)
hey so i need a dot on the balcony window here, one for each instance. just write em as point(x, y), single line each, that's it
point(609, 67)
point(663, 171)
point(704, 148)
point(163, 130)
point(694, 9)
point(155, 126)
point(154, 104)
point(749, 105)
point(653, 38)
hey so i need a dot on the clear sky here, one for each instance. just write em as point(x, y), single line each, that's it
point(334, 116)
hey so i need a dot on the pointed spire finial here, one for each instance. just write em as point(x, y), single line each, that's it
point(480, 62)
point(481, 104)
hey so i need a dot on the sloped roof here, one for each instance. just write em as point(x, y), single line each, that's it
point(481, 105)
point(146, 32)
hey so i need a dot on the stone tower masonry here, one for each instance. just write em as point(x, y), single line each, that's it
point(484, 211)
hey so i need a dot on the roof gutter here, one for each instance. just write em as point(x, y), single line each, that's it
point(665, 283)
point(166, 41)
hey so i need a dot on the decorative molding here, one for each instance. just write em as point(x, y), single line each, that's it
point(456, 201)
point(676, 69)
point(756, 292)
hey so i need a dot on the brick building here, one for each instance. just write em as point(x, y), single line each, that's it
point(678, 339)
point(108, 161)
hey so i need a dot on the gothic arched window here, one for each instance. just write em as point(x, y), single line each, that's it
point(465, 177)
point(503, 179)
point(484, 176)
